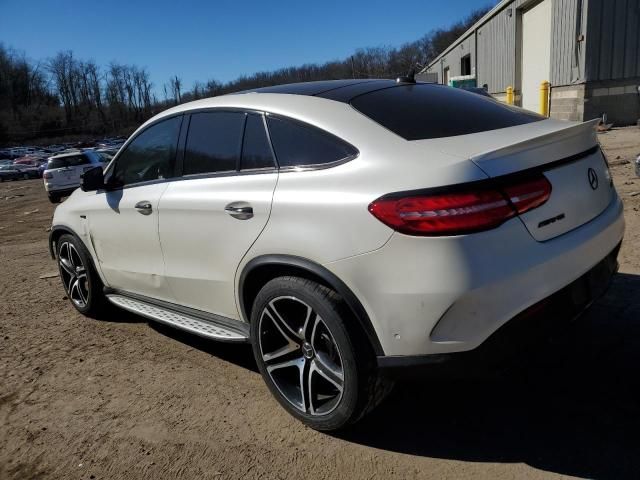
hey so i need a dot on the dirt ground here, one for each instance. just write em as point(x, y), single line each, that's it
point(125, 399)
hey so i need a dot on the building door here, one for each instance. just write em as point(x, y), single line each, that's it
point(446, 76)
point(465, 65)
point(536, 52)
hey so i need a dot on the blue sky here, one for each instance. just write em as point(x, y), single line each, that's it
point(199, 40)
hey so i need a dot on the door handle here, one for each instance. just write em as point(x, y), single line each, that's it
point(239, 210)
point(144, 207)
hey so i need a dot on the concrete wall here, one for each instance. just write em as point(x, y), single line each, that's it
point(619, 99)
point(567, 103)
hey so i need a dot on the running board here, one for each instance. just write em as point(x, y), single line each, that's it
point(182, 320)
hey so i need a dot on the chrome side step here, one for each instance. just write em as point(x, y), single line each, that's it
point(181, 319)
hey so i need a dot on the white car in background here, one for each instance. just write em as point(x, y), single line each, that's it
point(344, 229)
point(63, 172)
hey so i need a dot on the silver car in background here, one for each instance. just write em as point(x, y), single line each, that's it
point(63, 172)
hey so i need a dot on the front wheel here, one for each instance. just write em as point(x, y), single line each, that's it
point(80, 279)
point(314, 359)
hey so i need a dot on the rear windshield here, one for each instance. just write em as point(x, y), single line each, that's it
point(67, 161)
point(422, 111)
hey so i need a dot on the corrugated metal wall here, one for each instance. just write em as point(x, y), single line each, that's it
point(613, 40)
point(454, 57)
point(498, 39)
point(497, 51)
point(567, 53)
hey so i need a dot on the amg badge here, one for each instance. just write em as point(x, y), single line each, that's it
point(551, 220)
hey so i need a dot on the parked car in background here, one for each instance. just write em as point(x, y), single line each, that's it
point(26, 160)
point(28, 170)
point(63, 172)
point(9, 172)
point(345, 229)
point(42, 167)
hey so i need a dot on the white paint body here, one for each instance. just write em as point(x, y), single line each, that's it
point(423, 295)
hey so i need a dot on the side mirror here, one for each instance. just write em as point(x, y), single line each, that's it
point(92, 180)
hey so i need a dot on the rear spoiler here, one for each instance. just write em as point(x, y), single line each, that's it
point(539, 150)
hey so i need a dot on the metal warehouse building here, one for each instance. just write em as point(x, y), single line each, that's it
point(589, 50)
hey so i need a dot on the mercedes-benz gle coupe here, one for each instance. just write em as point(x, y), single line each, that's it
point(343, 228)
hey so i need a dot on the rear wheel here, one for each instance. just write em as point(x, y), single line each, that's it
point(25, 176)
point(81, 282)
point(311, 355)
point(53, 198)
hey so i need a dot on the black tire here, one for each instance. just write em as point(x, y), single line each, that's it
point(53, 198)
point(362, 387)
point(96, 303)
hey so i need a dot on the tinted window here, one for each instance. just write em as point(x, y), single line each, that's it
point(418, 112)
point(296, 144)
point(256, 151)
point(150, 155)
point(64, 162)
point(213, 143)
point(105, 157)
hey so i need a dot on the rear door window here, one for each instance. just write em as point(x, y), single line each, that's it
point(299, 145)
point(256, 151)
point(213, 142)
point(71, 161)
point(423, 111)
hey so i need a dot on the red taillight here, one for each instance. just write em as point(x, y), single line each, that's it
point(47, 175)
point(460, 212)
point(529, 194)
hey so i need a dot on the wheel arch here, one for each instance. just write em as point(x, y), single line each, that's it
point(258, 271)
point(55, 234)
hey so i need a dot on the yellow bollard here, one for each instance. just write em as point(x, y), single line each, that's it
point(509, 95)
point(545, 88)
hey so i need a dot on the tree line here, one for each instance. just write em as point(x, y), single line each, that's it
point(64, 96)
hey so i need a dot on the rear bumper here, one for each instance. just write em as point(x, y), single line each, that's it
point(442, 295)
point(538, 320)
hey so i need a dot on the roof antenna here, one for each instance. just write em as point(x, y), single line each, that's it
point(408, 78)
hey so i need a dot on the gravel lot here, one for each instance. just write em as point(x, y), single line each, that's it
point(127, 399)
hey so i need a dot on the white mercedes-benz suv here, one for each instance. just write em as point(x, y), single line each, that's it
point(344, 229)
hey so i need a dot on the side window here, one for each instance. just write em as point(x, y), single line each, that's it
point(297, 144)
point(77, 160)
point(213, 142)
point(69, 161)
point(256, 151)
point(150, 155)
